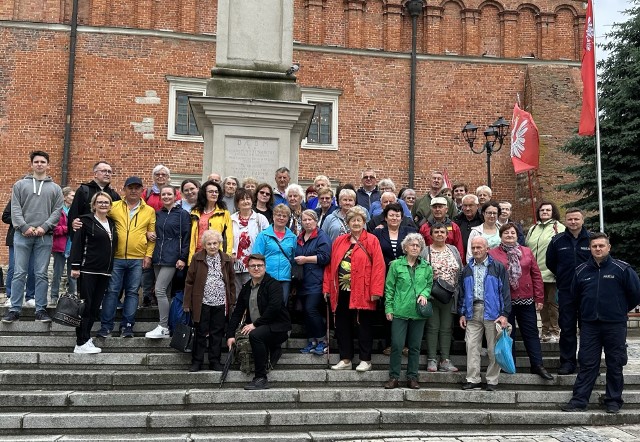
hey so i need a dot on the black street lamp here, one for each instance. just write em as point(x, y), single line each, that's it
point(414, 7)
point(494, 133)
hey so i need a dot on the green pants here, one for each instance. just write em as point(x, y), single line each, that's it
point(439, 330)
point(411, 330)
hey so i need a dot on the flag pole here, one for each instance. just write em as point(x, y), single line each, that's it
point(598, 158)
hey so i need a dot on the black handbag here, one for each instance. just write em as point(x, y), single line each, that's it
point(69, 311)
point(442, 291)
point(424, 311)
point(182, 339)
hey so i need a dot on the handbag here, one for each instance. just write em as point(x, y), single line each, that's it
point(504, 350)
point(183, 335)
point(69, 311)
point(442, 291)
point(424, 311)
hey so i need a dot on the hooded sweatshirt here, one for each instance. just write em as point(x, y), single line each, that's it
point(35, 203)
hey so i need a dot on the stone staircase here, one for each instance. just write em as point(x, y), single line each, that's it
point(139, 389)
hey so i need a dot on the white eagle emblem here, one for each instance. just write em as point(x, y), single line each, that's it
point(589, 34)
point(520, 128)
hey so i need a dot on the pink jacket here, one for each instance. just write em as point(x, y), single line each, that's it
point(530, 285)
point(60, 234)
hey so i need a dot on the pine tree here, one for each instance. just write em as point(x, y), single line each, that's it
point(619, 105)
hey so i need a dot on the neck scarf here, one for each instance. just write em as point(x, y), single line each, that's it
point(514, 270)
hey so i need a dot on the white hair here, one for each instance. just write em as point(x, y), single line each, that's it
point(296, 188)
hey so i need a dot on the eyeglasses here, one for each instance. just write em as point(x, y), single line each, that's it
point(103, 203)
point(369, 177)
point(255, 266)
point(262, 192)
point(213, 192)
point(105, 171)
point(491, 213)
point(160, 174)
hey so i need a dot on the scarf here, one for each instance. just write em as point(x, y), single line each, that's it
point(514, 270)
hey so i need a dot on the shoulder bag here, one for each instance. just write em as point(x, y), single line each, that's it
point(441, 289)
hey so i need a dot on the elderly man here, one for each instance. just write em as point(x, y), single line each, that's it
point(566, 251)
point(368, 192)
point(606, 289)
point(378, 221)
point(485, 300)
point(439, 214)
point(215, 177)
point(266, 318)
point(283, 177)
point(469, 218)
point(422, 208)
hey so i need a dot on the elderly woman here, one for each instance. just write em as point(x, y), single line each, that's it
point(264, 201)
point(251, 184)
point(489, 229)
point(408, 282)
point(92, 251)
point(209, 294)
point(161, 176)
point(229, 186)
point(210, 213)
point(325, 205)
point(354, 283)
point(386, 185)
point(313, 251)
point(484, 194)
point(246, 226)
point(278, 243)
point(336, 224)
point(447, 264)
point(173, 227)
point(319, 183)
point(409, 198)
point(527, 293)
point(295, 198)
point(189, 190)
point(538, 239)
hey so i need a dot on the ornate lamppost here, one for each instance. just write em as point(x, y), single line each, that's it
point(495, 133)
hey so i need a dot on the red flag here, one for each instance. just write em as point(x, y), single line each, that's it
point(588, 70)
point(525, 143)
point(446, 179)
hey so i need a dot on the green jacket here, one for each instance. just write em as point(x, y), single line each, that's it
point(401, 291)
point(538, 239)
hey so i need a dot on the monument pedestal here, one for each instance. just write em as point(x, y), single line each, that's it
point(248, 137)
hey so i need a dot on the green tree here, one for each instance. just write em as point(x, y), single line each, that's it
point(619, 105)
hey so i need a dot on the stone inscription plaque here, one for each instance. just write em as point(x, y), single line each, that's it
point(251, 157)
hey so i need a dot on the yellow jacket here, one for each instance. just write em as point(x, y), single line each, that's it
point(221, 221)
point(132, 232)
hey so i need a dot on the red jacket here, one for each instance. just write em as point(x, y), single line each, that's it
point(454, 236)
point(531, 285)
point(153, 199)
point(367, 275)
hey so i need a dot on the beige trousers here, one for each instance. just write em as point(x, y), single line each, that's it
point(549, 312)
point(473, 338)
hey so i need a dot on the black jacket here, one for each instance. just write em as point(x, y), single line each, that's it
point(385, 242)
point(564, 254)
point(272, 310)
point(466, 226)
point(379, 219)
point(6, 218)
point(606, 292)
point(91, 249)
point(82, 201)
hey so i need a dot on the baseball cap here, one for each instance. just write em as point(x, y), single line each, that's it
point(439, 200)
point(132, 180)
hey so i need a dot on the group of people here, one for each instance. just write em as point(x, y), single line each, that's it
point(240, 250)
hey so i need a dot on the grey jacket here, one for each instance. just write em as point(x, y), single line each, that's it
point(35, 203)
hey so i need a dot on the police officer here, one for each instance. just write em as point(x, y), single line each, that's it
point(567, 251)
point(606, 289)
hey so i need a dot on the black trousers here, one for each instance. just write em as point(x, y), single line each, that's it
point(264, 342)
point(210, 328)
point(568, 321)
point(91, 288)
point(345, 317)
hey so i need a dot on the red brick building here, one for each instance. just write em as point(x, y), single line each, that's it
point(136, 59)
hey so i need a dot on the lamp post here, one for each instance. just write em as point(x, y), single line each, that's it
point(494, 133)
point(414, 7)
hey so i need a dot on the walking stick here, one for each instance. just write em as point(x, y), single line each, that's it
point(328, 337)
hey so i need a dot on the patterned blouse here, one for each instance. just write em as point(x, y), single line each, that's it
point(445, 265)
point(214, 290)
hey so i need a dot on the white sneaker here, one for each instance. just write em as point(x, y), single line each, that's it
point(30, 303)
point(157, 333)
point(342, 366)
point(87, 348)
point(364, 366)
point(7, 303)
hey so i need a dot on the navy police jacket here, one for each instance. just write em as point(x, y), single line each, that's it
point(564, 254)
point(606, 292)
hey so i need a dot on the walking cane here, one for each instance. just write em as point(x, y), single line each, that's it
point(328, 337)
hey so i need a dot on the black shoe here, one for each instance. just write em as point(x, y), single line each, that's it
point(11, 317)
point(571, 408)
point(216, 366)
point(472, 386)
point(195, 367)
point(42, 316)
point(565, 370)
point(146, 302)
point(542, 372)
point(127, 332)
point(613, 408)
point(257, 384)
point(492, 387)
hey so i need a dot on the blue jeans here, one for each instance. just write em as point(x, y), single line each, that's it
point(313, 319)
point(286, 286)
point(24, 247)
point(58, 267)
point(31, 278)
point(126, 273)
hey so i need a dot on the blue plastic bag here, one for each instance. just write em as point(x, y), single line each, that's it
point(176, 314)
point(503, 350)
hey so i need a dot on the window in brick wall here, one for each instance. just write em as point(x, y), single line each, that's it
point(323, 132)
point(181, 125)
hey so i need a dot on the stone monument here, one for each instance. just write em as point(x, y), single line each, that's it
point(252, 118)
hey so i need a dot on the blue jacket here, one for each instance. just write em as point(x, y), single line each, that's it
point(278, 264)
point(606, 292)
point(173, 234)
point(564, 254)
point(319, 245)
point(497, 294)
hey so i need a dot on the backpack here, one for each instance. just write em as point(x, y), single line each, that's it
point(243, 353)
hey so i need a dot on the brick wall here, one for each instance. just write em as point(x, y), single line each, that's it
point(112, 71)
